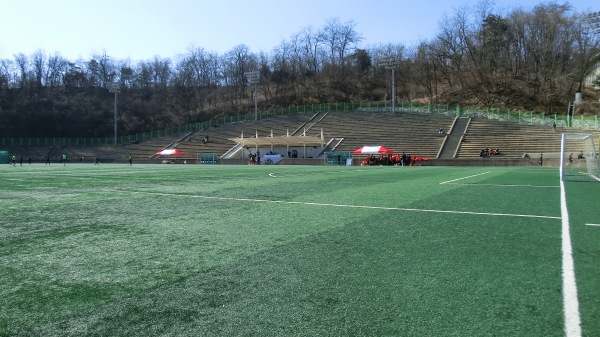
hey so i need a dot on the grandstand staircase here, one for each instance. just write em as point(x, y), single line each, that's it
point(175, 144)
point(235, 150)
point(329, 147)
point(316, 118)
point(450, 146)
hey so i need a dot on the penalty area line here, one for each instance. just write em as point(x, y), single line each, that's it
point(273, 175)
point(467, 177)
point(346, 206)
point(505, 185)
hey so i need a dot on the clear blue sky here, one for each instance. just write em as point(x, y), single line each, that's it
point(142, 29)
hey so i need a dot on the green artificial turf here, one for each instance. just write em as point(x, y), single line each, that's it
point(182, 250)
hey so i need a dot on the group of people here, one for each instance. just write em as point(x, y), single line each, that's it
point(254, 158)
point(13, 160)
point(489, 152)
point(392, 160)
point(579, 156)
point(63, 159)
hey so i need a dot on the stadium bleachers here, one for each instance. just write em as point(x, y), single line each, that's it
point(514, 140)
point(219, 137)
point(411, 133)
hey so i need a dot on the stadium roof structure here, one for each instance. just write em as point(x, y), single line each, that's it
point(286, 140)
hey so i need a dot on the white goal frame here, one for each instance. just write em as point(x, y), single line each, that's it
point(589, 152)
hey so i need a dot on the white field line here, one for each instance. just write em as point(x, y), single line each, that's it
point(506, 185)
point(592, 224)
point(343, 205)
point(284, 175)
point(570, 301)
point(467, 177)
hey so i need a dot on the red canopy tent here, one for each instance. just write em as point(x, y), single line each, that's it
point(372, 150)
point(170, 152)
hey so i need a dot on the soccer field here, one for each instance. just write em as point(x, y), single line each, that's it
point(202, 250)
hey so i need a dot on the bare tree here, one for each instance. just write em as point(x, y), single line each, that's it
point(55, 71)
point(587, 46)
point(6, 71)
point(427, 70)
point(237, 62)
point(340, 39)
point(285, 71)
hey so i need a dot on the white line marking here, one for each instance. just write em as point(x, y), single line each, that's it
point(570, 301)
point(349, 206)
point(502, 185)
point(475, 175)
point(592, 224)
point(312, 173)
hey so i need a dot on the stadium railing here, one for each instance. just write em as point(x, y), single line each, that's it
point(580, 122)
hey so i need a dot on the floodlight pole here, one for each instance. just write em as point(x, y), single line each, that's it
point(393, 90)
point(253, 77)
point(114, 88)
point(256, 101)
point(391, 62)
point(593, 20)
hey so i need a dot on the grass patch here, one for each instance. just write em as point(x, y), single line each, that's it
point(275, 250)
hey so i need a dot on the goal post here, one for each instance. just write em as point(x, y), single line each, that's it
point(578, 158)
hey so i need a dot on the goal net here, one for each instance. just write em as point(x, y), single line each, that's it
point(578, 158)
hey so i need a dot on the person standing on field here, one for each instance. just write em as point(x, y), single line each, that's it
point(130, 160)
point(64, 159)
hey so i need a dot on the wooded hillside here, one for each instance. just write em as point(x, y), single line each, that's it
point(531, 60)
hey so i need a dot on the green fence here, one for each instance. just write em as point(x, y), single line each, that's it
point(336, 158)
point(208, 158)
point(580, 122)
point(3, 157)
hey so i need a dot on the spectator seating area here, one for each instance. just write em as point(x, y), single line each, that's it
point(106, 153)
point(513, 139)
point(410, 133)
point(219, 137)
